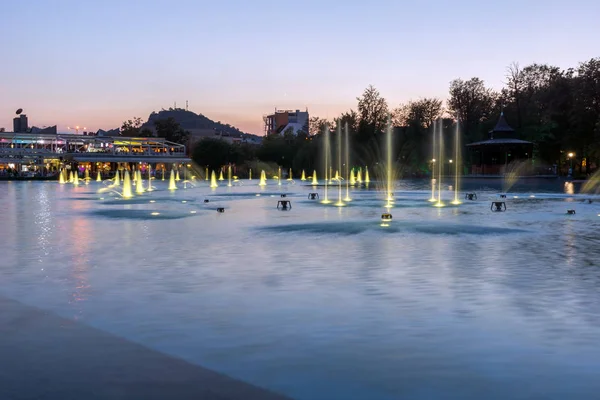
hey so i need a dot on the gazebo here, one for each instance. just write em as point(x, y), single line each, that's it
point(491, 157)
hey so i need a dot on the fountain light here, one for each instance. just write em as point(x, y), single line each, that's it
point(155, 213)
point(192, 212)
point(152, 201)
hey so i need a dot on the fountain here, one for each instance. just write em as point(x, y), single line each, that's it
point(70, 176)
point(98, 177)
point(367, 180)
point(127, 186)
point(139, 184)
point(86, 175)
point(303, 177)
point(177, 175)
point(206, 174)
point(229, 175)
point(315, 182)
point(250, 174)
point(150, 178)
point(456, 163)
point(263, 178)
point(338, 134)
point(172, 185)
point(213, 180)
point(440, 162)
point(117, 178)
point(279, 176)
point(349, 172)
point(76, 178)
point(290, 176)
point(389, 196)
point(352, 177)
point(326, 163)
point(359, 176)
point(221, 175)
point(432, 198)
point(163, 173)
point(61, 177)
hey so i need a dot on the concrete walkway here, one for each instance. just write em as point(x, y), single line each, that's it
point(43, 356)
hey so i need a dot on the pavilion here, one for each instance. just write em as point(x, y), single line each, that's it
point(492, 156)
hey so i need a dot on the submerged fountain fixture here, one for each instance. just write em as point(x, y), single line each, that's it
point(571, 212)
point(221, 210)
point(284, 205)
point(498, 206)
point(386, 217)
point(313, 196)
point(471, 196)
point(206, 200)
point(502, 196)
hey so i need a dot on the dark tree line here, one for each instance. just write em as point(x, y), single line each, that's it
point(558, 110)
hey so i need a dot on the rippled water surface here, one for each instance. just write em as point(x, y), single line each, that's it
point(324, 302)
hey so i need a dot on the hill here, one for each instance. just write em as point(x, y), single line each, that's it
point(192, 122)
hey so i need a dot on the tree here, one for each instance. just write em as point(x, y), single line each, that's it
point(373, 113)
point(170, 129)
point(131, 128)
point(350, 118)
point(213, 153)
point(472, 103)
point(316, 125)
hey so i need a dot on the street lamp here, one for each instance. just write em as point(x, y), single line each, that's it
point(571, 158)
point(76, 129)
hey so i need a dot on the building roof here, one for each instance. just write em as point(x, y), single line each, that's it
point(502, 125)
point(499, 142)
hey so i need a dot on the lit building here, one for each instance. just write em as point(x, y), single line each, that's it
point(283, 120)
point(20, 124)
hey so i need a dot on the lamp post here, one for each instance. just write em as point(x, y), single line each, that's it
point(76, 128)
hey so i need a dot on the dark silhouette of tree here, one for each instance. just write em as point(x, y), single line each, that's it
point(472, 103)
point(373, 113)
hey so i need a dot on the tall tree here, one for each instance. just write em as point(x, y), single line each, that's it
point(131, 127)
point(373, 112)
point(472, 103)
point(170, 129)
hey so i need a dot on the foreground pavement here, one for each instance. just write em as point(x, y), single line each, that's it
point(44, 356)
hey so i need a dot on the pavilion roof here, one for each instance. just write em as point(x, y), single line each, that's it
point(499, 142)
point(502, 125)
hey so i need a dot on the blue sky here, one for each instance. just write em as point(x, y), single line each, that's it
point(97, 63)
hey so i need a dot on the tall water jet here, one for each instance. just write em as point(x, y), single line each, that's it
point(177, 175)
point(250, 174)
point(139, 184)
point(315, 182)
point(279, 176)
point(172, 185)
point(61, 177)
point(290, 176)
point(213, 180)
point(127, 186)
point(349, 172)
point(163, 173)
point(330, 175)
point(367, 180)
point(76, 178)
point(327, 167)
point(359, 175)
point(150, 178)
point(434, 131)
point(117, 178)
point(71, 177)
point(263, 178)
point(338, 133)
point(98, 177)
point(389, 167)
point(86, 175)
point(457, 162)
point(206, 175)
point(221, 175)
point(440, 162)
point(229, 175)
point(303, 176)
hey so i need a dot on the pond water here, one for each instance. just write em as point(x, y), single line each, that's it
point(325, 302)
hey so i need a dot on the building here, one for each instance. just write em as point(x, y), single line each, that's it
point(493, 156)
point(45, 154)
point(20, 124)
point(282, 120)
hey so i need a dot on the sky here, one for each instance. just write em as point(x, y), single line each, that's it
point(96, 63)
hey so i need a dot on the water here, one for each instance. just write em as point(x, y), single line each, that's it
point(322, 302)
